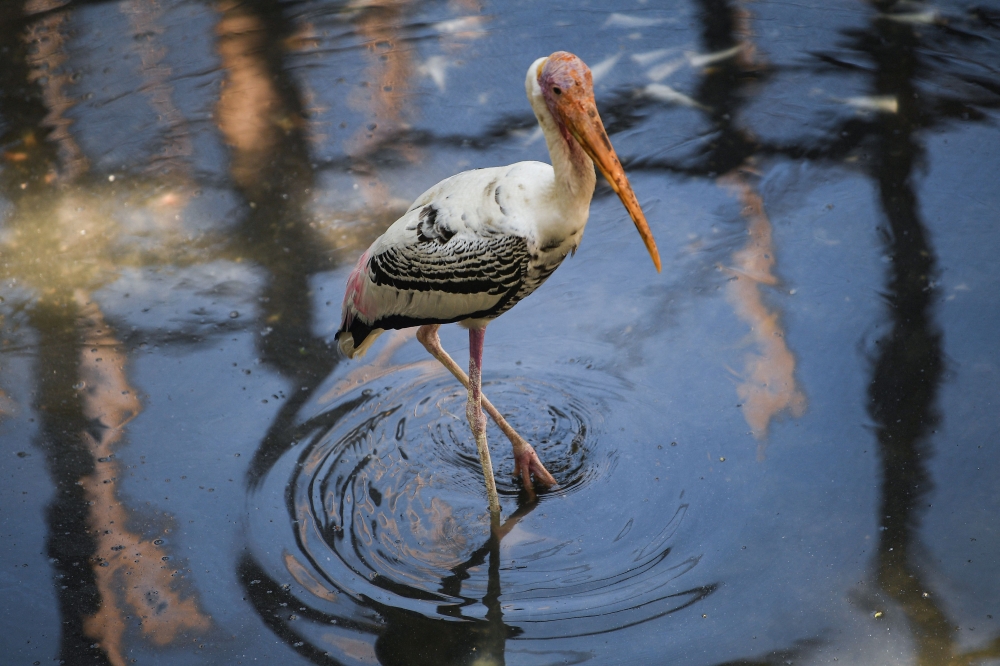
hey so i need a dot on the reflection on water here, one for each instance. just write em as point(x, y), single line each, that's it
point(385, 499)
point(171, 159)
point(46, 39)
point(728, 71)
point(259, 112)
point(768, 385)
point(149, 146)
point(382, 98)
point(136, 576)
point(907, 367)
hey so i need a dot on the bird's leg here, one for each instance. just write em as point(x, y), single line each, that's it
point(526, 461)
point(474, 411)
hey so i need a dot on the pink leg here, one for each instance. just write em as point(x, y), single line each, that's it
point(526, 461)
point(474, 411)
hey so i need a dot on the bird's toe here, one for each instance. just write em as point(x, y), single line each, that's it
point(527, 464)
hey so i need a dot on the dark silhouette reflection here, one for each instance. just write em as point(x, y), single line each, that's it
point(29, 159)
point(908, 366)
point(419, 640)
point(261, 116)
point(28, 156)
point(726, 86)
point(70, 544)
point(401, 636)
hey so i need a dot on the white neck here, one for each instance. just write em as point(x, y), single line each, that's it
point(574, 170)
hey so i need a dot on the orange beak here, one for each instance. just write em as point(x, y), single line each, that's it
point(584, 123)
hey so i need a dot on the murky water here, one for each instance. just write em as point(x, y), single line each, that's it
point(782, 449)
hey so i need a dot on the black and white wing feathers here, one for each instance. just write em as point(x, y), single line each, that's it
point(464, 251)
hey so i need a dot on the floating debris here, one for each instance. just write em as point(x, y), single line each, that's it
point(649, 57)
point(617, 20)
point(467, 26)
point(704, 59)
point(881, 103)
point(929, 17)
point(436, 67)
point(665, 93)
point(600, 70)
point(665, 69)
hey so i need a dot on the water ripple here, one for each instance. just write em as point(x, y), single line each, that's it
point(388, 508)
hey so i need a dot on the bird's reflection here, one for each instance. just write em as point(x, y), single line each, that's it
point(400, 636)
point(415, 639)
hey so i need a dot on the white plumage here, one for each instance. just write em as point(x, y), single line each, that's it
point(471, 246)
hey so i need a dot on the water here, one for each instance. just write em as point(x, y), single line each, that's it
point(781, 449)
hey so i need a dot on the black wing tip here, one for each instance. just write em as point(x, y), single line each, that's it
point(351, 337)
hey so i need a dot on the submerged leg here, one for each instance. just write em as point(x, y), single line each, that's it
point(477, 419)
point(526, 461)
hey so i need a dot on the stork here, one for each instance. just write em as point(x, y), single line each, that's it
point(475, 244)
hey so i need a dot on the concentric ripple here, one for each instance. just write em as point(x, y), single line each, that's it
point(388, 510)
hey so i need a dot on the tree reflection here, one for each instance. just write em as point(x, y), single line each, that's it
point(112, 578)
point(260, 113)
point(767, 386)
point(84, 408)
point(907, 366)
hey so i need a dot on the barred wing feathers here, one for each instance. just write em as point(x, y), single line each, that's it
point(431, 268)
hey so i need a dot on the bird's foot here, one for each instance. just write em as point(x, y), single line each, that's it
point(526, 463)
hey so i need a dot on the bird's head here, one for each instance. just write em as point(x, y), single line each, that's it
point(567, 86)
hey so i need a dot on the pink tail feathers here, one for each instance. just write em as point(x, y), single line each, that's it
point(357, 304)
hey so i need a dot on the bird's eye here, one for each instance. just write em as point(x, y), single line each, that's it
point(557, 90)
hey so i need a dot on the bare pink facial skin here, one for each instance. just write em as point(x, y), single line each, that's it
point(565, 78)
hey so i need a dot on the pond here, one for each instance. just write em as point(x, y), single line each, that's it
point(781, 449)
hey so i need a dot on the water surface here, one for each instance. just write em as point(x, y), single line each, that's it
point(780, 450)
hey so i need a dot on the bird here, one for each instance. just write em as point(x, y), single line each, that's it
point(477, 243)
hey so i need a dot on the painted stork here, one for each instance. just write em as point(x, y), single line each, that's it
point(475, 244)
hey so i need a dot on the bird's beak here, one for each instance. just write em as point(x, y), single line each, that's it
point(584, 123)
